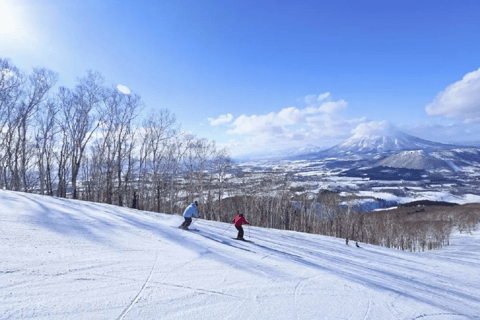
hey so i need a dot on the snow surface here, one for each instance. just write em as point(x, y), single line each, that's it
point(423, 195)
point(64, 259)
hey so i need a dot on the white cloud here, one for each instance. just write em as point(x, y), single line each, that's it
point(323, 96)
point(278, 123)
point(224, 118)
point(373, 128)
point(460, 100)
point(290, 115)
point(255, 124)
point(318, 123)
point(310, 99)
point(332, 107)
point(313, 99)
point(123, 89)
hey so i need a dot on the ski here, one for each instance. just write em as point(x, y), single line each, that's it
point(243, 240)
point(186, 229)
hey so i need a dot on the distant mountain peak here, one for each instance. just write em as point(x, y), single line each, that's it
point(387, 140)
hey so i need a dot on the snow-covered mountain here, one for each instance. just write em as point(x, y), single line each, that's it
point(64, 259)
point(375, 145)
point(390, 141)
point(385, 148)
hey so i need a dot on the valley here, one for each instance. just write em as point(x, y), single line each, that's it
point(374, 171)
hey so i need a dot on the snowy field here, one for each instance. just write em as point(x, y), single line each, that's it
point(63, 259)
point(423, 195)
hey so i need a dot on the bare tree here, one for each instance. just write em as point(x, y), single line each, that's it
point(79, 119)
point(21, 98)
point(156, 159)
point(12, 83)
point(119, 112)
point(45, 139)
point(221, 165)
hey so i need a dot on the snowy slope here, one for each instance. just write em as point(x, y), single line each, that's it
point(63, 259)
point(417, 159)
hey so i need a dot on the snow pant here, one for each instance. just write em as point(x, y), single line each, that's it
point(186, 223)
point(240, 232)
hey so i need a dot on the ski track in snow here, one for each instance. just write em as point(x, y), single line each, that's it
point(368, 307)
point(298, 292)
point(66, 259)
point(139, 293)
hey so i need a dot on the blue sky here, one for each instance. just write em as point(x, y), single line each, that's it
point(255, 75)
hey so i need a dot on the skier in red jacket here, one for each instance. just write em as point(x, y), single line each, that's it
point(239, 219)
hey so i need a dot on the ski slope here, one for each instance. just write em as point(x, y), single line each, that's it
point(65, 259)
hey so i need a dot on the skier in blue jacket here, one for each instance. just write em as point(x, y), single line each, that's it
point(187, 214)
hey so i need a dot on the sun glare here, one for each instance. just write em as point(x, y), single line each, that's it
point(8, 23)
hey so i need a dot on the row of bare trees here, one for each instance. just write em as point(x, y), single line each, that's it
point(90, 143)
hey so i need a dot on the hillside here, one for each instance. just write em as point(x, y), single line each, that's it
point(450, 160)
point(416, 159)
point(64, 259)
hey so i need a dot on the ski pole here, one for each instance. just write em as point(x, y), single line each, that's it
point(226, 230)
point(194, 221)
